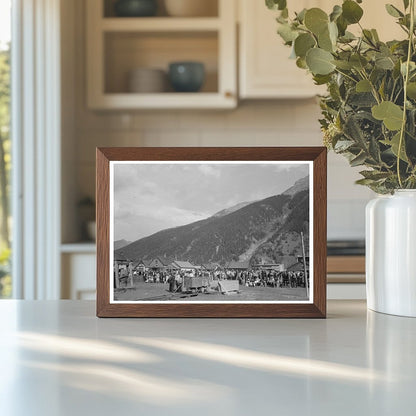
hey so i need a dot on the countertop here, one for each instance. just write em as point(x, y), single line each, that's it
point(57, 358)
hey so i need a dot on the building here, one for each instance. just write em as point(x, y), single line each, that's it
point(159, 264)
point(211, 267)
point(123, 270)
point(278, 267)
point(238, 266)
point(184, 266)
point(142, 266)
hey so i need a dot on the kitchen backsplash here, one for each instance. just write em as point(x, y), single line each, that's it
point(271, 123)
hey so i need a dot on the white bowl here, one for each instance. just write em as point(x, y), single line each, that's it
point(147, 80)
point(191, 8)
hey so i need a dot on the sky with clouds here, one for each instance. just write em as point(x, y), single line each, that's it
point(152, 197)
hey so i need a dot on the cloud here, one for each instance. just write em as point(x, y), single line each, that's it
point(209, 170)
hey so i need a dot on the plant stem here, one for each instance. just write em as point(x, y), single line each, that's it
point(406, 80)
point(346, 75)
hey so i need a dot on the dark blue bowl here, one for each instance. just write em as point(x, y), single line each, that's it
point(187, 76)
point(135, 8)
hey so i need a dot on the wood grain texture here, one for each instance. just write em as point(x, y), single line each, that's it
point(317, 309)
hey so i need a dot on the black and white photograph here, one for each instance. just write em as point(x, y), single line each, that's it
point(211, 232)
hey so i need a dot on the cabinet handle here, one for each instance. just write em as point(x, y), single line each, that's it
point(229, 94)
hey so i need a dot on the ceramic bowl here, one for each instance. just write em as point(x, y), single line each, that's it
point(147, 80)
point(135, 8)
point(186, 76)
point(191, 8)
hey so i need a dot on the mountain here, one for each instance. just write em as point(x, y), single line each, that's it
point(260, 231)
point(230, 210)
point(300, 185)
point(120, 244)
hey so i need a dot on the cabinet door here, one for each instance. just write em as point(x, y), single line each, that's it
point(78, 276)
point(265, 68)
point(376, 17)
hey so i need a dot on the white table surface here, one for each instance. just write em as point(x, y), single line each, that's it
point(57, 358)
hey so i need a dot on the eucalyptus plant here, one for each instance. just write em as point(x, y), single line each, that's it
point(369, 111)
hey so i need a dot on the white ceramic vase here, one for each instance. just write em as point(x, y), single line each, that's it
point(391, 253)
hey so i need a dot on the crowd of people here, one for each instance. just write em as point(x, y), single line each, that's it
point(248, 278)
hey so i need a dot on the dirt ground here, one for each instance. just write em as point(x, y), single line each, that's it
point(159, 292)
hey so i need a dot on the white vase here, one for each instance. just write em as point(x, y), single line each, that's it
point(391, 253)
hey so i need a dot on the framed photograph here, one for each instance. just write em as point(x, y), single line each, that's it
point(211, 232)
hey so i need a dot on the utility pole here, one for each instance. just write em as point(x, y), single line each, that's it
point(304, 265)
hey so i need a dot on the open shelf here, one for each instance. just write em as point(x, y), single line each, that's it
point(127, 51)
point(119, 45)
point(160, 24)
point(167, 100)
point(211, 9)
point(87, 247)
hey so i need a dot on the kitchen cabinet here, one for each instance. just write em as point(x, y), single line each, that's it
point(265, 69)
point(118, 45)
point(78, 263)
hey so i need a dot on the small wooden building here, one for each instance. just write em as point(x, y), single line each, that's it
point(184, 266)
point(142, 266)
point(239, 266)
point(123, 270)
point(159, 264)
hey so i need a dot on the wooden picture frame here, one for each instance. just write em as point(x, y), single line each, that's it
point(313, 306)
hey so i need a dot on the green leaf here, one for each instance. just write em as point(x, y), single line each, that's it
point(412, 67)
point(333, 32)
point(325, 42)
point(375, 35)
point(363, 86)
point(393, 11)
point(342, 25)
point(354, 132)
point(287, 33)
point(374, 175)
point(358, 61)
point(347, 37)
point(358, 160)
point(411, 90)
point(321, 79)
point(336, 12)
point(388, 112)
point(344, 65)
point(301, 63)
point(320, 61)
point(365, 182)
point(384, 62)
point(368, 36)
point(276, 4)
point(351, 11)
point(316, 20)
point(343, 145)
point(374, 150)
point(394, 145)
point(406, 4)
point(303, 43)
point(301, 15)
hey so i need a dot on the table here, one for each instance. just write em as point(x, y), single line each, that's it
point(57, 358)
